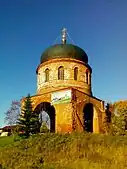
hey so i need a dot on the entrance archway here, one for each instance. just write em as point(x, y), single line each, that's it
point(46, 113)
point(88, 117)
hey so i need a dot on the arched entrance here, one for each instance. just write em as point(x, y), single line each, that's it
point(46, 113)
point(88, 117)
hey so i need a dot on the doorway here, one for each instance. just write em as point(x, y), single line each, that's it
point(88, 117)
point(46, 114)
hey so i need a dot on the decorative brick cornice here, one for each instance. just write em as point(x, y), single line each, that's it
point(61, 60)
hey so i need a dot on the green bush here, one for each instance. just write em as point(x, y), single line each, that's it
point(44, 128)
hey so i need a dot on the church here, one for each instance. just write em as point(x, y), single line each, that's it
point(64, 90)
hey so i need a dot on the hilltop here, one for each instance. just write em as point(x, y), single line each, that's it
point(69, 151)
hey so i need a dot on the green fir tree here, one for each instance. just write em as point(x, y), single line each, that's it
point(107, 120)
point(28, 121)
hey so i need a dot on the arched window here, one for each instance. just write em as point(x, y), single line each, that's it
point(75, 73)
point(47, 75)
point(61, 73)
point(87, 76)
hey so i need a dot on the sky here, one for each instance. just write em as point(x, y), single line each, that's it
point(28, 27)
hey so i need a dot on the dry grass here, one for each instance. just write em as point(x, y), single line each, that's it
point(69, 151)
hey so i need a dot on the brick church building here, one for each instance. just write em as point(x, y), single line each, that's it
point(64, 89)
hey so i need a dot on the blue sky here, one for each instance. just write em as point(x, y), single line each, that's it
point(27, 27)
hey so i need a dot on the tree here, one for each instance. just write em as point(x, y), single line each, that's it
point(12, 114)
point(115, 122)
point(28, 121)
point(107, 119)
point(44, 128)
point(44, 118)
point(119, 118)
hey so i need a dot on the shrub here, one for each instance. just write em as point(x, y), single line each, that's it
point(44, 128)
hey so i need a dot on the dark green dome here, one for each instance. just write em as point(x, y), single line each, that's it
point(64, 51)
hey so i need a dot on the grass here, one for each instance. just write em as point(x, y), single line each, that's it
point(4, 141)
point(66, 100)
point(69, 151)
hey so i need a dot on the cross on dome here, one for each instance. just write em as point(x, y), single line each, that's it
point(64, 34)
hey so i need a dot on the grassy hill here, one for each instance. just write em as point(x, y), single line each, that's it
point(4, 141)
point(69, 151)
